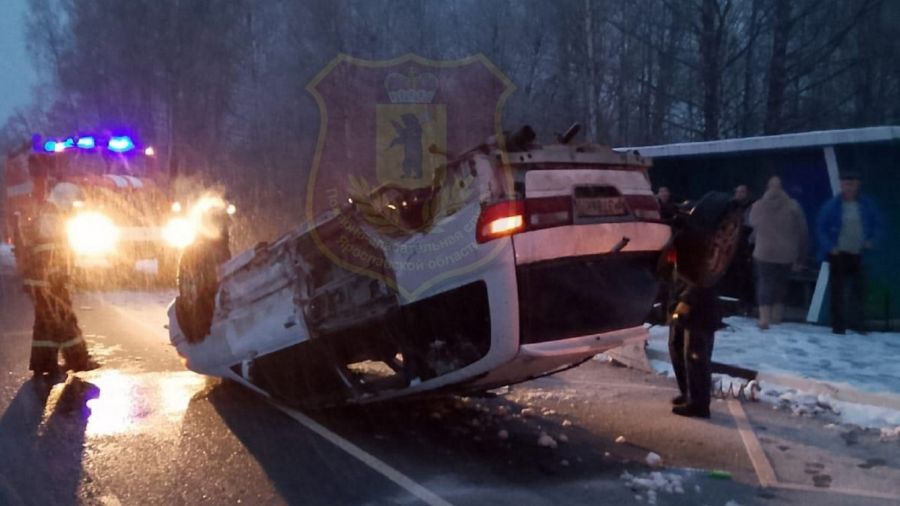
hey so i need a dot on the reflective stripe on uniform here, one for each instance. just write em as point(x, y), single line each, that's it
point(36, 282)
point(44, 344)
point(72, 342)
point(53, 344)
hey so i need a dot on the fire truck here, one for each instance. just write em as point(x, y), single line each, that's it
point(124, 225)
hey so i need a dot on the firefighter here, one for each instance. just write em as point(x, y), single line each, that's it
point(694, 321)
point(47, 260)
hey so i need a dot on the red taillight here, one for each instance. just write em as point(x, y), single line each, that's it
point(500, 219)
point(671, 256)
point(547, 212)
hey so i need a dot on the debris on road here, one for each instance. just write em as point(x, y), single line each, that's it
point(654, 483)
point(653, 459)
point(620, 439)
point(719, 474)
point(890, 433)
point(546, 441)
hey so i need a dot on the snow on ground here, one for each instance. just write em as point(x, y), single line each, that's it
point(866, 363)
point(810, 351)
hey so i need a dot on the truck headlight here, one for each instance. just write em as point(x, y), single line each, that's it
point(179, 232)
point(92, 233)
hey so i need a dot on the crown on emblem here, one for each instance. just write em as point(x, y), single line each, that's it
point(412, 88)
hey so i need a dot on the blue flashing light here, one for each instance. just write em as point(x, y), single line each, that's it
point(50, 146)
point(69, 143)
point(86, 143)
point(120, 144)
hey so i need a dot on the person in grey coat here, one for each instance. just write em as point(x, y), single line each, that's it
point(781, 237)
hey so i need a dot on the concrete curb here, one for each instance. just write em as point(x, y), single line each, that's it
point(837, 391)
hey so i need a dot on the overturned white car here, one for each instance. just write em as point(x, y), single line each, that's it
point(516, 263)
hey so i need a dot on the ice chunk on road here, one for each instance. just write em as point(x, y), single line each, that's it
point(890, 433)
point(546, 441)
point(653, 459)
point(654, 483)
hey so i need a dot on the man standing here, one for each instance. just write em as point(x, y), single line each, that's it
point(742, 265)
point(848, 225)
point(667, 208)
point(46, 264)
point(780, 231)
point(692, 329)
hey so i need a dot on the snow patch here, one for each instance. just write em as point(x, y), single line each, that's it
point(7, 260)
point(654, 483)
point(802, 351)
point(546, 441)
point(888, 433)
point(653, 459)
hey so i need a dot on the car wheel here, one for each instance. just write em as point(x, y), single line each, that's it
point(197, 286)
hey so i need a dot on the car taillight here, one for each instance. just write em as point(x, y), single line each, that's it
point(643, 206)
point(500, 219)
point(671, 256)
point(548, 212)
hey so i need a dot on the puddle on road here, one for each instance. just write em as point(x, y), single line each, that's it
point(134, 403)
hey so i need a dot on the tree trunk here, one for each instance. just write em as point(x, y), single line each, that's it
point(593, 119)
point(710, 67)
point(778, 67)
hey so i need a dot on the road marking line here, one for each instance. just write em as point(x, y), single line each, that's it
point(368, 459)
point(764, 472)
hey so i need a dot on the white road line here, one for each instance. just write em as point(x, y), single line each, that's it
point(766, 474)
point(368, 459)
point(761, 465)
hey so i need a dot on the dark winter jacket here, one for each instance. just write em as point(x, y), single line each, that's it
point(704, 307)
point(828, 224)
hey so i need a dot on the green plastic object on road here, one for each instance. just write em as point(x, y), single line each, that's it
point(719, 474)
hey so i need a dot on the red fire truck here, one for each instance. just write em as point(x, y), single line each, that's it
point(124, 222)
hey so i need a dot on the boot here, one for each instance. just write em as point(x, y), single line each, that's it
point(679, 399)
point(777, 313)
point(765, 317)
point(691, 411)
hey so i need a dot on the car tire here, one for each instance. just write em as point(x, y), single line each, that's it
point(197, 286)
point(708, 239)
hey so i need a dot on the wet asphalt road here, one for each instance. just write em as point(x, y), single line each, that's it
point(142, 430)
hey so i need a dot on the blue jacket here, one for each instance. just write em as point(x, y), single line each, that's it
point(828, 224)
